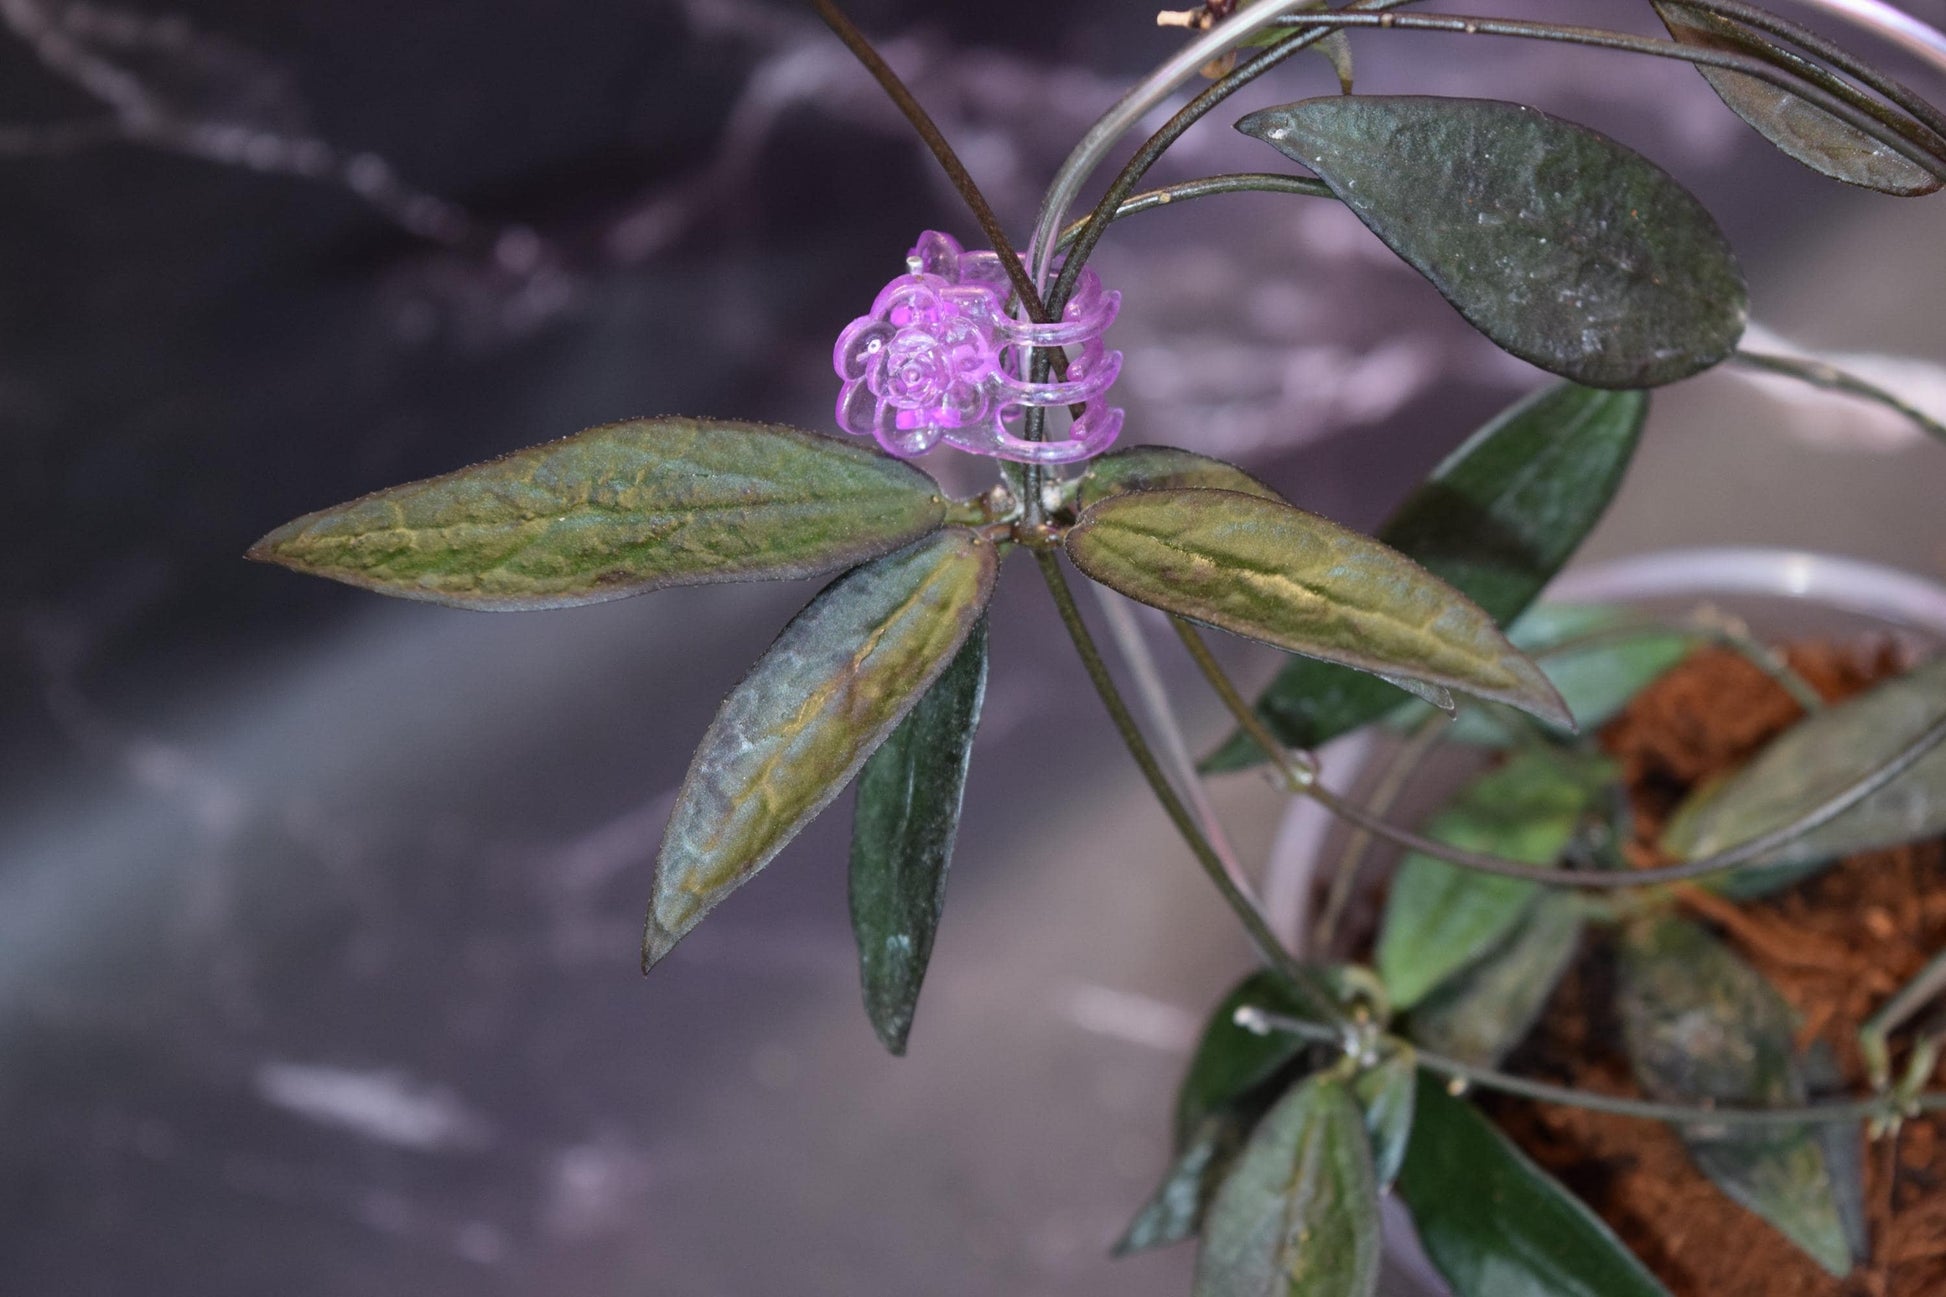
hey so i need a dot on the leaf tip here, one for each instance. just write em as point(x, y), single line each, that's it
point(275, 546)
point(657, 942)
point(1262, 125)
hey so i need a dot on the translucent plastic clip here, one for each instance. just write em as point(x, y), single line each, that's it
point(940, 360)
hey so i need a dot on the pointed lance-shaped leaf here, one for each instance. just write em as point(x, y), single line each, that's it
point(1232, 1080)
point(788, 739)
point(1440, 918)
point(1815, 760)
point(1298, 1215)
point(902, 832)
point(1496, 1225)
point(1798, 127)
point(1565, 248)
point(1496, 520)
point(1264, 570)
point(1479, 1015)
point(618, 510)
point(1702, 1026)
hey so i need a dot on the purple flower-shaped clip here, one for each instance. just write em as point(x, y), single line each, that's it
point(939, 359)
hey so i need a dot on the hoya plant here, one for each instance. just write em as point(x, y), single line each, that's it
point(1320, 1081)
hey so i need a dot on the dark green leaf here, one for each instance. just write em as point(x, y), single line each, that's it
point(1480, 1015)
point(1298, 1216)
point(618, 510)
point(1818, 758)
point(1227, 1089)
point(1265, 570)
point(1703, 1026)
point(902, 838)
point(1440, 918)
point(1570, 251)
point(837, 680)
point(1159, 468)
point(1496, 1225)
point(1795, 125)
point(1229, 1061)
point(1496, 520)
point(1386, 1094)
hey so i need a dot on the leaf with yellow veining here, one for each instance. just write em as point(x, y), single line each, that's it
point(790, 737)
point(618, 510)
point(1265, 570)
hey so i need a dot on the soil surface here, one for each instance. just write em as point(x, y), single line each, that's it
point(1836, 946)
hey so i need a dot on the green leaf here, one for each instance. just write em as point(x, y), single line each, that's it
point(1480, 1015)
point(790, 737)
point(1796, 126)
point(1596, 682)
point(1570, 251)
point(1386, 1093)
point(1298, 1216)
point(1440, 918)
point(1230, 1061)
point(1230, 1084)
point(1174, 1212)
point(1496, 520)
point(1161, 468)
point(1496, 1225)
point(1703, 1026)
point(902, 832)
point(619, 510)
point(1813, 761)
point(1262, 569)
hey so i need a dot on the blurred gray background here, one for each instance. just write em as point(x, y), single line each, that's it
point(318, 912)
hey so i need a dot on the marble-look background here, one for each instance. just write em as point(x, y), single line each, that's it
point(318, 912)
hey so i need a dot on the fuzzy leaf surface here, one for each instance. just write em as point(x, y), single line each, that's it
point(1479, 1015)
point(1162, 468)
point(902, 832)
point(1702, 1025)
point(1816, 759)
point(1496, 1225)
point(616, 511)
point(1440, 918)
point(1496, 520)
point(788, 739)
point(1273, 573)
point(1565, 248)
point(1298, 1216)
point(1799, 128)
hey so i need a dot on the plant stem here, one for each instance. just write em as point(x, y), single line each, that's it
point(1398, 774)
point(1241, 182)
point(1818, 47)
point(1722, 862)
point(1156, 145)
point(1833, 379)
point(922, 122)
point(1914, 141)
point(1252, 1019)
point(1302, 777)
point(1126, 634)
point(1319, 1000)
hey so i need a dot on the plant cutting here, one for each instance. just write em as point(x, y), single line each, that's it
point(1319, 1083)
